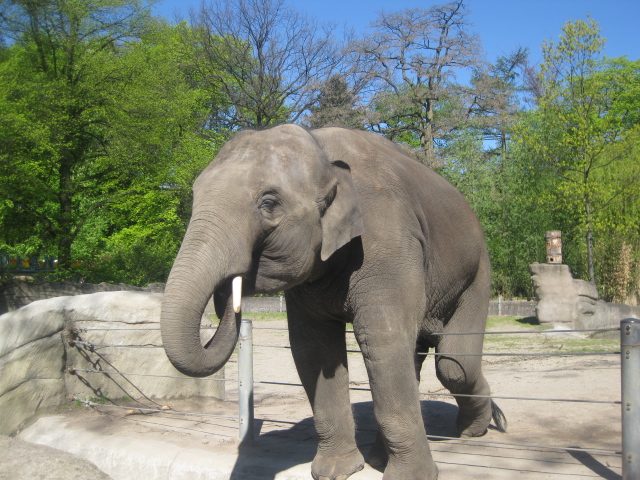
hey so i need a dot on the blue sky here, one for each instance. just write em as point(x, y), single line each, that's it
point(503, 25)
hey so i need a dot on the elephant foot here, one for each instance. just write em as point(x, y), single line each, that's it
point(473, 418)
point(477, 424)
point(416, 468)
point(378, 455)
point(336, 467)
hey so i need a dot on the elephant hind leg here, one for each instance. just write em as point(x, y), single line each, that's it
point(459, 376)
point(462, 374)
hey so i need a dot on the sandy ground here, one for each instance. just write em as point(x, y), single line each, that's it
point(285, 438)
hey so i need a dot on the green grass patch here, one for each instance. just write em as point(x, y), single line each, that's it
point(513, 323)
point(255, 316)
point(539, 343)
point(504, 343)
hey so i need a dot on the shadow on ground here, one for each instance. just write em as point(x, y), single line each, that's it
point(528, 321)
point(439, 419)
point(595, 465)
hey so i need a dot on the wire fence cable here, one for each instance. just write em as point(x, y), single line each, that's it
point(92, 346)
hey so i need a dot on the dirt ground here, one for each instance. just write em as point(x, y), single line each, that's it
point(535, 446)
point(548, 424)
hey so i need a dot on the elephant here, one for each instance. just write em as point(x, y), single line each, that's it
point(354, 231)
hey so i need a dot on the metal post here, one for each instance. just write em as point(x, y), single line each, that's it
point(630, 361)
point(245, 380)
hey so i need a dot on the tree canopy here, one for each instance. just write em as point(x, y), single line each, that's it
point(584, 133)
point(411, 56)
point(97, 118)
point(268, 58)
point(109, 114)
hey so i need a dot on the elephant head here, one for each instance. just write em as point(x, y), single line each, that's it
point(271, 209)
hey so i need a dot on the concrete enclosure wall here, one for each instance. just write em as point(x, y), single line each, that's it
point(41, 368)
point(16, 294)
point(513, 308)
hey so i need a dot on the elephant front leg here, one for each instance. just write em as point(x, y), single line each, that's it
point(319, 352)
point(390, 364)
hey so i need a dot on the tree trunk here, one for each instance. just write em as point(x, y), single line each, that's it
point(65, 199)
point(589, 240)
point(426, 134)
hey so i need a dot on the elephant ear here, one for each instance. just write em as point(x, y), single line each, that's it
point(341, 214)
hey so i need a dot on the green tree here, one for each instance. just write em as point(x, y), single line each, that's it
point(94, 119)
point(336, 106)
point(165, 123)
point(53, 116)
point(582, 129)
point(411, 57)
point(507, 197)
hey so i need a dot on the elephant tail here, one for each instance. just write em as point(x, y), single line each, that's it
point(498, 417)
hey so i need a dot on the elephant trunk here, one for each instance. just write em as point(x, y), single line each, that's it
point(201, 271)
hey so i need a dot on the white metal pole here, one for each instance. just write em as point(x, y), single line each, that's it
point(245, 380)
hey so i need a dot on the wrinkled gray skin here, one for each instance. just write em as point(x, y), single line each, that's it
point(352, 230)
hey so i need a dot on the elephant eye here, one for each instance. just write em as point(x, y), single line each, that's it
point(268, 204)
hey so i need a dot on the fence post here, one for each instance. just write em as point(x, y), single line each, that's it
point(245, 380)
point(630, 366)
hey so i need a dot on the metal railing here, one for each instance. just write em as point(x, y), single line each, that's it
point(630, 396)
point(630, 372)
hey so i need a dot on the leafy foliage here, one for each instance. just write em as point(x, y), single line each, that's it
point(584, 131)
point(108, 115)
point(100, 122)
point(336, 106)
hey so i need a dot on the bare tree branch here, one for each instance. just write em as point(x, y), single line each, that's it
point(410, 58)
point(268, 59)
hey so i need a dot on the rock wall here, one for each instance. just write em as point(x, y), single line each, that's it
point(565, 301)
point(15, 294)
point(31, 364)
point(47, 347)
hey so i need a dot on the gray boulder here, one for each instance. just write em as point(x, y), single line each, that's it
point(567, 302)
point(56, 349)
point(21, 460)
point(17, 293)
